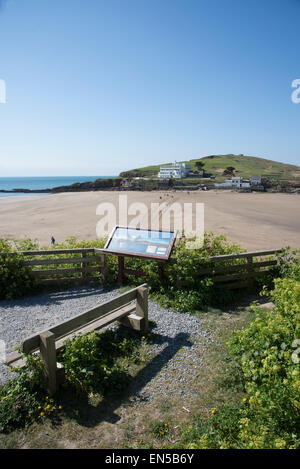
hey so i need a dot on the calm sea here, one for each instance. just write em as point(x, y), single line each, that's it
point(37, 183)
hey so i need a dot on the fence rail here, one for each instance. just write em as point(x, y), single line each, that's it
point(78, 265)
point(239, 275)
point(88, 264)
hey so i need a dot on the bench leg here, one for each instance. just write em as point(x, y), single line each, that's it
point(142, 306)
point(138, 320)
point(48, 355)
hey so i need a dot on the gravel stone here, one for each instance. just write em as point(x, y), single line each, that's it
point(176, 351)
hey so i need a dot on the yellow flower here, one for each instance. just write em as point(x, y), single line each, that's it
point(213, 411)
point(39, 407)
point(245, 399)
point(42, 414)
point(48, 407)
point(60, 407)
point(166, 424)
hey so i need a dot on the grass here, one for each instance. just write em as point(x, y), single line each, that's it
point(122, 422)
point(245, 166)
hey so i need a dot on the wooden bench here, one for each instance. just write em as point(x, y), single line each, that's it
point(130, 309)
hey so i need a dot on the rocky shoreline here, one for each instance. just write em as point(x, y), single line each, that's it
point(119, 183)
point(98, 184)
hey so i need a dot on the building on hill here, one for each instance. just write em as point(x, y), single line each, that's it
point(255, 180)
point(254, 183)
point(175, 170)
point(234, 183)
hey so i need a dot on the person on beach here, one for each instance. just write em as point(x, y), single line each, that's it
point(52, 241)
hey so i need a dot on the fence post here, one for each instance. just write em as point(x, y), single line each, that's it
point(120, 270)
point(48, 355)
point(250, 269)
point(160, 271)
point(83, 265)
point(142, 306)
point(103, 268)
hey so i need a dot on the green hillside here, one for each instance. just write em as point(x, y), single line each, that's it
point(245, 166)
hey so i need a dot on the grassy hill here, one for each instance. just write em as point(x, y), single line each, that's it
point(245, 166)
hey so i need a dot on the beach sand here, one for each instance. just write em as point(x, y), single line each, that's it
point(253, 220)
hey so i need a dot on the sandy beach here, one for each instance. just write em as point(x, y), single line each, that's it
point(254, 220)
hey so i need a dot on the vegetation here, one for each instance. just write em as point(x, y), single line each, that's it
point(181, 288)
point(91, 361)
point(15, 280)
point(94, 365)
point(126, 421)
point(244, 166)
point(260, 367)
point(23, 399)
point(267, 353)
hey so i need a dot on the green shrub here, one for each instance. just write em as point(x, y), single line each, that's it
point(288, 265)
point(91, 361)
point(23, 399)
point(15, 280)
point(267, 353)
point(94, 364)
point(181, 288)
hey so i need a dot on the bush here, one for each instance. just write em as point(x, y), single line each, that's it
point(23, 399)
point(181, 289)
point(94, 363)
point(15, 280)
point(268, 355)
point(91, 361)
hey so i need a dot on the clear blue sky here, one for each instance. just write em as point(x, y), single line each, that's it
point(95, 87)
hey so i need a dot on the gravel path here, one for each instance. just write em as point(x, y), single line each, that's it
point(176, 350)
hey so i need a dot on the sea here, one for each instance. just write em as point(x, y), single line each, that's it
point(37, 183)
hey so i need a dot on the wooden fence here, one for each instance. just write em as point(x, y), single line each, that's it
point(232, 270)
point(87, 265)
point(237, 270)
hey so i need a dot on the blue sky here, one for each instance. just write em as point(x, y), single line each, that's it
point(95, 87)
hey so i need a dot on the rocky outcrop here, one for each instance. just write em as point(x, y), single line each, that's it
point(97, 185)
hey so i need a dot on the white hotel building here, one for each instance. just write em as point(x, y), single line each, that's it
point(175, 170)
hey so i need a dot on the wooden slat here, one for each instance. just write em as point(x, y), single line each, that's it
point(73, 270)
point(240, 276)
point(235, 256)
point(62, 280)
point(82, 319)
point(55, 251)
point(101, 251)
point(70, 260)
point(139, 273)
point(244, 254)
point(235, 268)
point(237, 285)
point(15, 359)
point(97, 324)
point(11, 358)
